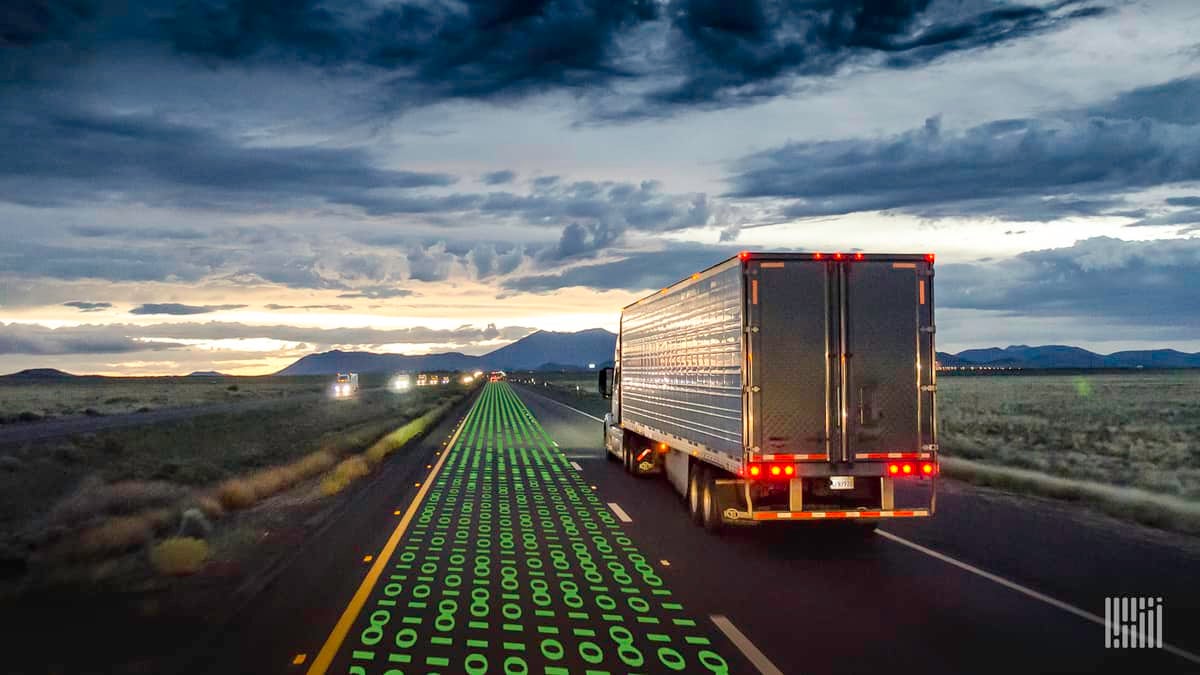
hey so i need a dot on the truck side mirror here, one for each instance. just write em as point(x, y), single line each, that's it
point(606, 382)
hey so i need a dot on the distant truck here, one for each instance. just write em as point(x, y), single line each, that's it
point(783, 387)
point(345, 385)
point(497, 376)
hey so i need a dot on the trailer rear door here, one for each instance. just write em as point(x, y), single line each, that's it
point(789, 314)
point(888, 357)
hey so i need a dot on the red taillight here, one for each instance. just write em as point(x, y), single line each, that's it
point(818, 256)
point(929, 258)
point(770, 470)
point(928, 469)
point(906, 469)
point(893, 469)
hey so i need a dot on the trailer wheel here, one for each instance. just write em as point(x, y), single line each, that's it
point(710, 506)
point(695, 490)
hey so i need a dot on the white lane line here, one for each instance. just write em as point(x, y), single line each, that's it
point(616, 508)
point(1082, 613)
point(576, 465)
point(555, 443)
point(745, 646)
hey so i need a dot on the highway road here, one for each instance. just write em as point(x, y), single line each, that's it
point(520, 549)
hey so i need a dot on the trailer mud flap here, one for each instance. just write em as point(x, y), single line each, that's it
point(729, 495)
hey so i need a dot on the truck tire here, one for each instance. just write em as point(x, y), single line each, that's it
point(695, 491)
point(710, 507)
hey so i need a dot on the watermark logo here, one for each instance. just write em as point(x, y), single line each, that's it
point(1133, 623)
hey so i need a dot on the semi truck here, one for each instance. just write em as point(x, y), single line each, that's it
point(345, 385)
point(778, 387)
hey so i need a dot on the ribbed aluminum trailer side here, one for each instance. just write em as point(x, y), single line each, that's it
point(783, 386)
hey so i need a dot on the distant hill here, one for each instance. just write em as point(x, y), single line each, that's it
point(1061, 356)
point(565, 350)
point(40, 374)
point(545, 347)
point(206, 373)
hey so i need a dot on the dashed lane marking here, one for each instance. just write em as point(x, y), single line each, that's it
point(744, 645)
point(616, 508)
point(576, 465)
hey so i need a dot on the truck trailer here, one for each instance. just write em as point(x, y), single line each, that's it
point(783, 387)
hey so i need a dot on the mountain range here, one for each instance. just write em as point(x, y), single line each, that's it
point(1062, 356)
point(540, 350)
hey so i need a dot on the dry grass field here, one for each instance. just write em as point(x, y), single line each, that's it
point(35, 399)
point(1138, 430)
point(92, 495)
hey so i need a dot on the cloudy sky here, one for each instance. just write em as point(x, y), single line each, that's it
point(231, 184)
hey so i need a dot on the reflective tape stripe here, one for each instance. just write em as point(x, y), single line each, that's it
point(892, 455)
point(819, 515)
point(787, 457)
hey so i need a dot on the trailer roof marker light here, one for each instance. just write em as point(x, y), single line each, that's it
point(929, 258)
point(838, 256)
point(744, 255)
point(818, 256)
point(859, 256)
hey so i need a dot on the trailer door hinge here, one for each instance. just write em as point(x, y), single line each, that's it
point(929, 387)
point(751, 329)
point(931, 447)
point(928, 329)
point(754, 389)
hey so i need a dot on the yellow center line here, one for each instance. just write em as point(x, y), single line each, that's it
point(334, 642)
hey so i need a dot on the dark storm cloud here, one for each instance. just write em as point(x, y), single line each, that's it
point(87, 156)
point(123, 338)
point(177, 309)
point(1074, 163)
point(691, 52)
point(728, 53)
point(1152, 283)
point(39, 340)
point(93, 261)
point(84, 306)
point(112, 231)
point(499, 177)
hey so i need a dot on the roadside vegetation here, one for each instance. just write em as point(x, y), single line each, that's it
point(76, 505)
point(31, 400)
point(1125, 443)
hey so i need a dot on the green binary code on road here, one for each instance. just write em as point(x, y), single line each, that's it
point(513, 565)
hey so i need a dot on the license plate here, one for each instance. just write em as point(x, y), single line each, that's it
point(841, 482)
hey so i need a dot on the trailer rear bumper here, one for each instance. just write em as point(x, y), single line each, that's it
point(734, 514)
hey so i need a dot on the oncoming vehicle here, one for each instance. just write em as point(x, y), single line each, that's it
point(401, 382)
point(345, 385)
point(783, 386)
